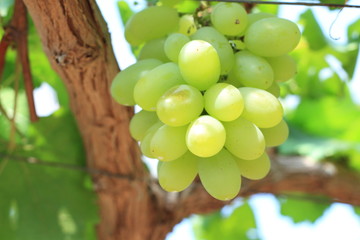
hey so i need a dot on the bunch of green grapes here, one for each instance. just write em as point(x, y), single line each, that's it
point(208, 94)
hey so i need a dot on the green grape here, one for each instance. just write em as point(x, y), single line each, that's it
point(155, 83)
point(178, 174)
point(229, 18)
point(146, 141)
point(252, 71)
point(261, 107)
point(274, 89)
point(141, 122)
point(173, 44)
point(254, 17)
point(180, 105)
point(168, 143)
point(220, 43)
point(150, 23)
point(187, 25)
point(205, 136)
point(122, 87)
point(272, 37)
point(284, 67)
point(276, 135)
point(224, 102)
point(232, 79)
point(254, 169)
point(220, 175)
point(244, 139)
point(199, 64)
point(154, 49)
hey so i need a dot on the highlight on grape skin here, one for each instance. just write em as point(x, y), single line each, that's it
point(208, 88)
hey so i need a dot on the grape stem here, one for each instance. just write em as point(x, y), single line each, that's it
point(291, 3)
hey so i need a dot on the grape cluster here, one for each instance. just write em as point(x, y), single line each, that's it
point(208, 94)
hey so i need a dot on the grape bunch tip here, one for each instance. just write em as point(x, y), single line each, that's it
point(208, 93)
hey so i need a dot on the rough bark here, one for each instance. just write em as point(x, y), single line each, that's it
point(76, 41)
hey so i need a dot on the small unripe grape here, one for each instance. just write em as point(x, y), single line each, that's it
point(187, 25)
point(173, 44)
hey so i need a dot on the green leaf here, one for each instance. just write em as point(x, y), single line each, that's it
point(328, 117)
point(310, 81)
point(354, 158)
point(125, 11)
point(301, 210)
point(353, 32)
point(312, 31)
point(4, 7)
point(318, 148)
point(268, 8)
point(187, 6)
point(45, 203)
point(7, 97)
point(356, 210)
point(56, 138)
point(240, 224)
point(350, 57)
point(333, 2)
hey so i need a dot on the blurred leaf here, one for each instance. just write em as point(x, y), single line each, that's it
point(354, 158)
point(9, 70)
point(125, 11)
point(357, 210)
point(333, 2)
point(268, 8)
point(353, 32)
point(310, 81)
point(169, 3)
point(187, 6)
point(240, 224)
point(317, 148)
point(22, 120)
point(4, 7)
point(300, 210)
point(350, 59)
point(43, 205)
point(328, 117)
point(347, 56)
point(56, 138)
point(312, 31)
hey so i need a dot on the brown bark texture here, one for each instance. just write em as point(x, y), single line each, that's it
point(133, 207)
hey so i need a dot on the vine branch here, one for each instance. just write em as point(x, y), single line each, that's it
point(4, 44)
point(290, 3)
point(16, 33)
